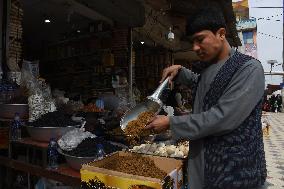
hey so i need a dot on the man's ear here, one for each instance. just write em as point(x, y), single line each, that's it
point(222, 33)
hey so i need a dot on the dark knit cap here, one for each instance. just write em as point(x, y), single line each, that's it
point(209, 18)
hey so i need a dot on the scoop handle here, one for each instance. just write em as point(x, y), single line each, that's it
point(158, 92)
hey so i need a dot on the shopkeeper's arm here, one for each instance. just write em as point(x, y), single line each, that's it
point(186, 77)
point(180, 74)
point(242, 95)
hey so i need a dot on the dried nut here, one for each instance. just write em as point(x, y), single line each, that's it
point(170, 150)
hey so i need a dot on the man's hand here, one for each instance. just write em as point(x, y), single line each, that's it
point(171, 71)
point(159, 123)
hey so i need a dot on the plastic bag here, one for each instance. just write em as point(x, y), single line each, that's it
point(40, 99)
point(169, 110)
point(28, 80)
point(73, 138)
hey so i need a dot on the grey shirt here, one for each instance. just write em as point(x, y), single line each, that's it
point(238, 100)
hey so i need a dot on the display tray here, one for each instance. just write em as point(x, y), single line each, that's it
point(172, 167)
point(177, 158)
point(43, 134)
point(169, 149)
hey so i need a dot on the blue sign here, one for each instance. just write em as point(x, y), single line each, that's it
point(246, 24)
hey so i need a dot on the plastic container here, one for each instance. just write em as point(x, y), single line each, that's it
point(52, 154)
point(16, 127)
point(101, 153)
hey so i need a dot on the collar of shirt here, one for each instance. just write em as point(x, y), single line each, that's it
point(232, 52)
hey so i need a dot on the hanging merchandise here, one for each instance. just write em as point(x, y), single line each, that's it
point(171, 35)
point(40, 99)
point(32, 67)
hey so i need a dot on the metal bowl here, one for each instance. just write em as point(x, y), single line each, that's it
point(76, 162)
point(44, 134)
point(7, 111)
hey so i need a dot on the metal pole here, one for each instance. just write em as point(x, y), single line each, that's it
point(130, 47)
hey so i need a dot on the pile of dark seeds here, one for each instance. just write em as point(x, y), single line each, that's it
point(89, 147)
point(54, 119)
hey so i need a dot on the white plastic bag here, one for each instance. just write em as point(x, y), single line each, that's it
point(169, 110)
point(73, 138)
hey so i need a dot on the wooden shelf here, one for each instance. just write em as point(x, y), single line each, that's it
point(63, 174)
point(53, 77)
point(10, 120)
point(84, 53)
point(79, 55)
point(85, 36)
point(31, 142)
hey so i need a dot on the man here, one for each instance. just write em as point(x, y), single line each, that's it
point(226, 145)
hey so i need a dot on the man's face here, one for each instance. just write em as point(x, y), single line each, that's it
point(207, 45)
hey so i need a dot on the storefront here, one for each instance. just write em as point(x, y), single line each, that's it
point(70, 65)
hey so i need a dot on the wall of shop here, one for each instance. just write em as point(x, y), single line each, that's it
point(86, 63)
point(149, 64)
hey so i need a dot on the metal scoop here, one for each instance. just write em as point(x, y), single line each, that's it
point(152, 104)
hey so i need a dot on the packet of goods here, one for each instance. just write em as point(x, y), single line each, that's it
point(73, 138)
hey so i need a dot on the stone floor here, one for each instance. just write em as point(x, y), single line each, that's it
point(274, 151)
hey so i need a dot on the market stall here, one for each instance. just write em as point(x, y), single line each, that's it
point(62, 138)
point(68, 88)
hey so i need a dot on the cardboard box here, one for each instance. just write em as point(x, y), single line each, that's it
point(172, 167)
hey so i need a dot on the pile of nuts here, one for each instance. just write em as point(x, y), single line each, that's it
point(136, 127)
point(135, 165)
point(161, 149)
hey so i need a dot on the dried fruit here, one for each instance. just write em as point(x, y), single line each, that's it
point(92, 108)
